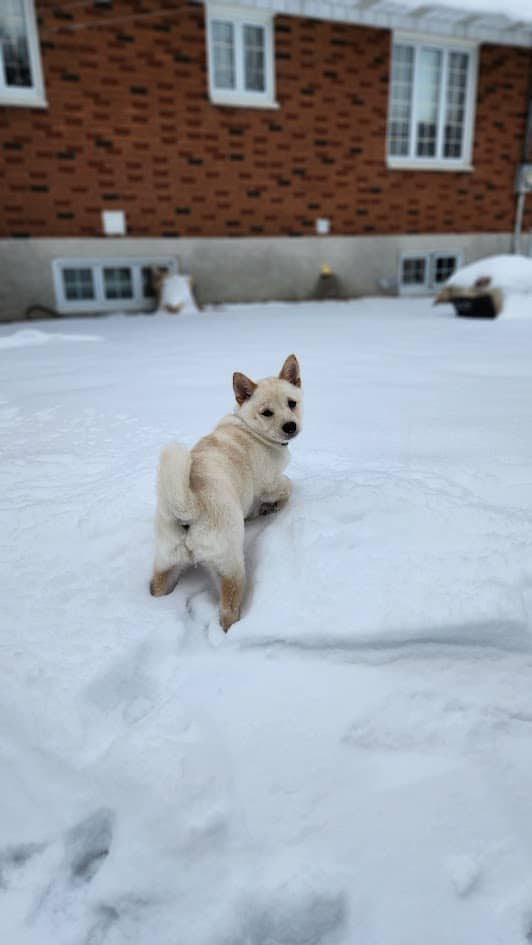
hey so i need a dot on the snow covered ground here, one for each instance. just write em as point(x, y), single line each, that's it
point(352, 764)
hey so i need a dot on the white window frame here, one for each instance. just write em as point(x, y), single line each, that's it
point(33, 96)
point(430, 284)
point(100, 303)
point(240, 17)
point(445, 45)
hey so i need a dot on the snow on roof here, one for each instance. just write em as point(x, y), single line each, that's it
point(519, 11)
point(478, 20)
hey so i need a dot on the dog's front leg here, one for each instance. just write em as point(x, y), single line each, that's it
point(275, 500)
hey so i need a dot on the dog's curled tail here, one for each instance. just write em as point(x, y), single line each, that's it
point(176, 499)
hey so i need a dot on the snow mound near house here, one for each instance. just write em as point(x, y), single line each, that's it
point(507, 277)
point(176, 295)
point(509, 273)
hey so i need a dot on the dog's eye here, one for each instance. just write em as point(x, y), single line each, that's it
point(267, 412)
point(292, 404)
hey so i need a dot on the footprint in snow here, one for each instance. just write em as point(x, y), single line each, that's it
point(88, 844)
point(13, 858)
point(85, 847)
point(297, 911)
point(515, 917)
point(304, 921)
point(465, 872)
point(106, 916)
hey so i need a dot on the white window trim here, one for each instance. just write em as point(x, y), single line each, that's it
point(239, 16)
point(464, 163)
point(429, 285)
point(33, 97)
point(100, 303)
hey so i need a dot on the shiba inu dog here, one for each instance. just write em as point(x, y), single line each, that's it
point(233, 474)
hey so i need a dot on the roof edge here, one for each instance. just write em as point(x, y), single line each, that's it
point(436, 20)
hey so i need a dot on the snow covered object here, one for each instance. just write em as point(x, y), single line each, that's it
point(175, 294)
point(480, 289)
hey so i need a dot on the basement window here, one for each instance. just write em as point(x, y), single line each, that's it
point(78, 284)
point(431, 107)
point(20, 65)
point(422, 273)
point(103, 285)
point(444, 266)
point(240, 57)
point(118, 282)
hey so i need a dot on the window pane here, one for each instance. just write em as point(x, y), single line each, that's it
point(427, 105)
point(223, 47)
point(78, 284)
point(414, 271)
point(444, 267)
point(455, 105)
point(254, 77)
point(14, 42)
point(401, 98)
point(118, 283)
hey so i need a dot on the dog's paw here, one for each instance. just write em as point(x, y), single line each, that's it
point(227, 619)
point(162, 583)
point(155, 588)
point(267, 508)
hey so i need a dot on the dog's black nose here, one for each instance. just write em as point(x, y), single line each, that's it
point(289, 428)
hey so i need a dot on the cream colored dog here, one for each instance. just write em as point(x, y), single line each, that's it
point(234, 473)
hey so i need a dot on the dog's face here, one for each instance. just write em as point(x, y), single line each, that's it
point(272, 407)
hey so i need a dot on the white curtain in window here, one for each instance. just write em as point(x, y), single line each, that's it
point(223, 44)
point(428, 102)
point(14, 47)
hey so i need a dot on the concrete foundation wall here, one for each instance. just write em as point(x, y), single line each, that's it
point(236, 269)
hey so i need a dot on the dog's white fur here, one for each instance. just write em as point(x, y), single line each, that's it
point(234, 473)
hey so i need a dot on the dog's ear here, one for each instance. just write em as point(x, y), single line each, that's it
point(243, 387)
point(290, 371)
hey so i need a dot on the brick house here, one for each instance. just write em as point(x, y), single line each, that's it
point(253, 143)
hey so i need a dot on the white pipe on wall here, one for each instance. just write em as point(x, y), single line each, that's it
point(519, 210)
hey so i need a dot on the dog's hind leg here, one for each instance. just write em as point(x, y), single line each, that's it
point(164, 582)
point(221, 550)
point(232, 586)
point(230, 570)
point(171, 557)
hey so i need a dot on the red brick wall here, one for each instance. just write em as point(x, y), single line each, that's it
point(129, 125)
